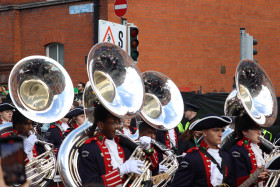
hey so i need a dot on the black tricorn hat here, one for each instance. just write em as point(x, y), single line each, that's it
point(210, 121)
point(192, 107)
point(6, 106)
point(75, 112)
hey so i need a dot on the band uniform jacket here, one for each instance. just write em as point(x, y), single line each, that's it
point(244, 161)
point(37, 149)
point(132, 130)
point(70, 129)
point(194, 170)
point(164, 138)
point(95, 162)
point(54, 135)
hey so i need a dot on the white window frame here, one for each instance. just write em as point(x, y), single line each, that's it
point(57, 51)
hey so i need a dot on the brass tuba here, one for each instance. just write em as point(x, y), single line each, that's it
point(40, 89)
point(254, 94)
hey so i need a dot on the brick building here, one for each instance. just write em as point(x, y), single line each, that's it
point(188, 40)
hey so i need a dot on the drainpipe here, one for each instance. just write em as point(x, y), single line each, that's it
point(96, 20)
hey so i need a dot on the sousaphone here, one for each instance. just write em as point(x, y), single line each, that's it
point(116, 83)
point(41, 89)
point(254, 94)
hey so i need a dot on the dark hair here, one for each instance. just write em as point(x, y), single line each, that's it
point(18, 118)
point(143, 126)
point(83, 84)
point(75, 103)
point(243, 123)
point(100, 113)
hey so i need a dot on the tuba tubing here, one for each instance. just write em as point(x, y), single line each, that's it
point(64, 158)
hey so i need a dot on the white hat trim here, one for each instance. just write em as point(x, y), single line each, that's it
point(208, 117)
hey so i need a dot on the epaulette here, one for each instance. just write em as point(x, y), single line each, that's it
point(242, 142)
point(91, 139)
point(52, 126)
point(193, 149)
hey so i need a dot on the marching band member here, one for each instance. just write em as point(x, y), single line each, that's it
point(78, 118)
point(102, 159)
point(246, 154)
point(148, 132)
point(54, 135)
point(21, 127)
point(6, 112)
point(168, 137)
point(206, 165)
point(188, 140)
point(126, 128)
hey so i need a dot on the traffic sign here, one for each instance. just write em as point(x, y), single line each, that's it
point(112, 33)
point(120, 7)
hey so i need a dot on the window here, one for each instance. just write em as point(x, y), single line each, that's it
point(56, 52)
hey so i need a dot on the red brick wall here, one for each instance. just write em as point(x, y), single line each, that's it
point(15, 2)
point(190, 40)
point(6, 37)
point(41, 26)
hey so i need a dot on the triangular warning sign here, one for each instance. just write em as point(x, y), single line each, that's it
point(109, 36)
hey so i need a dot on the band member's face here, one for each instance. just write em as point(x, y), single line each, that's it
point(80, 119)
point(7, 115)
point(197, 133)
point(213, 136)
point(109, 126)
point(64, 120)
point(23, 128)
point(149, 132)
point(80, 87)
point(253, 135)
point(126, 122)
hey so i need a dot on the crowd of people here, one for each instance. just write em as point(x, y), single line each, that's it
point(104, 157)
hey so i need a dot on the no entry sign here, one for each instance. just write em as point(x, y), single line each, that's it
point(120, 7)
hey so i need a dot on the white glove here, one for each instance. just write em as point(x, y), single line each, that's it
point(64, 127)
point(145, 142)
point(29, 144)
point(162, 169)
point(131, 166)
point(184, 154)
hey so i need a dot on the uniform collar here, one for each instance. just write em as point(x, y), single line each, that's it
point(75, 126)
point(244, 141)
point(205, 146)
point(101, 138)
point(58, 122)
point(15, 132)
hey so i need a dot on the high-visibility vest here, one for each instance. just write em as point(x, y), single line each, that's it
point(270, 134)
point(181, 128)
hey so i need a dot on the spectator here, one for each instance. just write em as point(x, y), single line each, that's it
point(81, 87)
